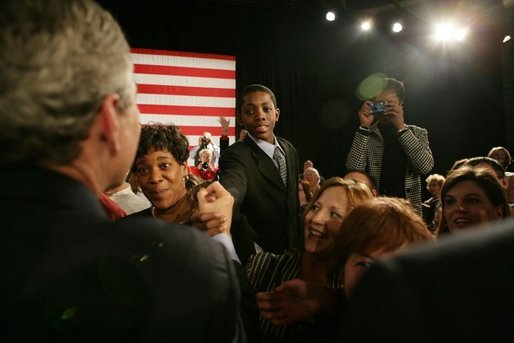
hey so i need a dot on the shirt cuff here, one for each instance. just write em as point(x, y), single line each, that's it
point(402, 130)
point(226, 241)
point(364, 130)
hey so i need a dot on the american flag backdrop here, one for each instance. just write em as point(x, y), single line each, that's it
point(190, 90)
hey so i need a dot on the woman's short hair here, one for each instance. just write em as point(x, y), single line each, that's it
point(355, 191)
point(166, 137)
point(508, 158)
point(205, 151)
point(313, 171)
point(437, 178)
point(382, 223)
point(483, 179)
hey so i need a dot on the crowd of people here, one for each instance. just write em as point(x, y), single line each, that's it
point(126, 241)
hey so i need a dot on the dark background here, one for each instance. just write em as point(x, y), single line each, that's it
point(462, 94)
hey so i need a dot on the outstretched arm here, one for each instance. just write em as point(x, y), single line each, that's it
point(214, 210)
point(294, 301)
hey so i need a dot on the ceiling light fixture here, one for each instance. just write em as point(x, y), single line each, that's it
point(397, 27)
point(330, 16)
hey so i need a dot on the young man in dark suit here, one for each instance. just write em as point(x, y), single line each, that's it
point(261, 173)
point(69, 128)
point(461, 290)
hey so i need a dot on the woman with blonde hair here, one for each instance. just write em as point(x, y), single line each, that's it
point(374, 229)
point(501, 155)
point(313, 261)
point(432, 207)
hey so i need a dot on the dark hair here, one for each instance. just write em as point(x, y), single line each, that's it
point(163, 137)
point(372, 183)
point(477, 161)
point(252, 89)
point(483, 179)
point(396, 86)
point(457, 164)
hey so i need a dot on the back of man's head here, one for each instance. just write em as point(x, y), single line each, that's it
point(487, 162)
point(58, 61)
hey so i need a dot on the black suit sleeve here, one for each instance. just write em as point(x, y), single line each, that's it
point(382, 308)
point(234, 178)
point(249, 309)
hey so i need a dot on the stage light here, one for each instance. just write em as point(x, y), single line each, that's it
point(397, 27)
point(461, 34)
point(449, 32)
point(330, 16)
point(366, 25)
point(444, 32)
point(506, 38)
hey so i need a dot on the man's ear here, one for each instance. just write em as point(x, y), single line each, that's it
point(109, 125)
point(505, 183)
point(277, 113)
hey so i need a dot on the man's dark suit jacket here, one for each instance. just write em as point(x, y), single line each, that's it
point(459, 291)
point(70, 274)
point(263, 208)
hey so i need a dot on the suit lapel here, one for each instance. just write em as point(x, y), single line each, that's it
point(265, 165)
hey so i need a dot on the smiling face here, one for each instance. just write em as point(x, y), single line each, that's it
point(259, 115)
point(161, 178)
point(466, 205)
point(324, 219)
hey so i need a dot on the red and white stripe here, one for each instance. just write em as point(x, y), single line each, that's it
point(190, 90)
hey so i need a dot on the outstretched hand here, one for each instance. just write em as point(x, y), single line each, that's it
point(214, 213)
point(292, 301)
